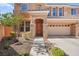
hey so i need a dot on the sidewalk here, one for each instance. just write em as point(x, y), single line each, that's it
point(38, 48)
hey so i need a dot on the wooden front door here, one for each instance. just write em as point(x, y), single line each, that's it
point(39, 27)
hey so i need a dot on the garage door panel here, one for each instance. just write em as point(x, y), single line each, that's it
point(59, 30)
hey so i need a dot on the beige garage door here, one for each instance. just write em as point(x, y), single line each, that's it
point(59, 30)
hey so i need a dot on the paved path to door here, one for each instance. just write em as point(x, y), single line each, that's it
point(69, 45)
point(38, 48)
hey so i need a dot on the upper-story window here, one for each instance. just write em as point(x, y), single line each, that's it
point(60, 12)
point(73, 11)
point(49, 12)
point(54, 12)
point(24, 7)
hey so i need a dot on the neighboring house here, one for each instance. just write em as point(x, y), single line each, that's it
point(45, 20)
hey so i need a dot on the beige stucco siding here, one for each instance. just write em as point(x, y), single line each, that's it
point(61, 21)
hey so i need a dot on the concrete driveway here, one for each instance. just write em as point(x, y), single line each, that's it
point(69, 45)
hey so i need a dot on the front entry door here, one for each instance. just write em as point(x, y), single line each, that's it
point(39, 27)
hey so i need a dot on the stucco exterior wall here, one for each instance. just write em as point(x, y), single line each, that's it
point(67, 21)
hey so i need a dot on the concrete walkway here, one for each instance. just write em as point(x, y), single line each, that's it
point(38, 48)
point(69, 45)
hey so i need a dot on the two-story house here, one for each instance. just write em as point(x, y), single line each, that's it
point(45, 20)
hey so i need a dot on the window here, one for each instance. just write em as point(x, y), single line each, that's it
point(24, 7)
point(25, 27)
point(73, 12)
point(22, 27)
point(60, 12)
point(54, 12)
point(49, 12)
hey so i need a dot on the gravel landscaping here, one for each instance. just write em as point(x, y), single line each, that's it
point(15, 47)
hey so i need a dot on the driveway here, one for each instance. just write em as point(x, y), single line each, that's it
point(69, 45)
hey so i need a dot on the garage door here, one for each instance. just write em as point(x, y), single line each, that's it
point(59, 29)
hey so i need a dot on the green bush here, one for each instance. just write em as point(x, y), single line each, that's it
point(8, 38)
point(6, 45)
point(57, 52)
point(27, 35)
point(24, 54)
point(13, 34)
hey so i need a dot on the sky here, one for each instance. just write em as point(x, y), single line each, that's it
point(5, 8)
point(8, 7)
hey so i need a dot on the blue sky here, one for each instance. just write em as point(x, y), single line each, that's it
point(4, 8)
point(8, 7)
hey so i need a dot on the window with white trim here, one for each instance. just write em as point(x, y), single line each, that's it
point(49, 12)
point(73, 11)
point(24, 7)
point(54, 11)
point(60, 12)
point(25, 26)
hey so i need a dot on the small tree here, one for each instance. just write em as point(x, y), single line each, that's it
point(10, 20)
point(16, 23)
point(6, 19)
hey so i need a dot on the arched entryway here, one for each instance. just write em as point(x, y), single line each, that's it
point(39, 27)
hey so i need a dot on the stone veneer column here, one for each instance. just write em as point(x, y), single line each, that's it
point(32, 28)
point(45, 35)
point(77, 11)
point(72, 29)
point(77, 30)
point(45, 31)
point(51, 11)
point(57, 11)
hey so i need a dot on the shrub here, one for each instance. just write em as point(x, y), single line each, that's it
point(13, 34)
point(57, 51)
point(6, 46)
point(8, 38)
point(24, 54)
point(27, 35)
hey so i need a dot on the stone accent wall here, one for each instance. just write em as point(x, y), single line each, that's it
point(72, 29)
point(77, 30)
